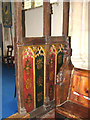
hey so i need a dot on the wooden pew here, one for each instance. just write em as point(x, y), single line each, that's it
point(72, 92)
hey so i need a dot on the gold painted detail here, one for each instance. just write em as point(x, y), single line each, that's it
point(59, 47)
point(39, 97)
point(29, 100)
point(39, 81)
point(28, 83)
point(35, 48)
point(53, 49)
point(28, 52)
point(51, 75)
point(27, 66)
point(51, 61)
point(39, 63)
point(39, 51)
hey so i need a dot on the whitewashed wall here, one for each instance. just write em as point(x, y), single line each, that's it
point(34, 21)
point(79, 33)
point(57, 19)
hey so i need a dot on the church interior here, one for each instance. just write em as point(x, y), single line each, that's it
point(44, 60)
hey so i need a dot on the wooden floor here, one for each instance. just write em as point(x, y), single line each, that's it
point(17, 116)
point(69, 109)
point(49, 115)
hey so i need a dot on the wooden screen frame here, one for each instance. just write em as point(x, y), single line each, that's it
point(20, 41)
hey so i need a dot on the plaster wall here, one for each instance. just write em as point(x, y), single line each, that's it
point(34, 21)
point(79, 34)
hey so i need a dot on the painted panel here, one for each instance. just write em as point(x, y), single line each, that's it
point(34, 73)
point(6, 14)
point(52, 71)
point(28, 79)
point(39, 75)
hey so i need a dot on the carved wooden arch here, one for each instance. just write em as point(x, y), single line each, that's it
point(46, 39)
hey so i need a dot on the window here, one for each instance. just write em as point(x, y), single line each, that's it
point(27, 4)
point(35, 3)
point(53, 1)
point(38, 3)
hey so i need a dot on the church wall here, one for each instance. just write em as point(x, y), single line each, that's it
point(57, 19)
point(79, 31)
point(34, 21)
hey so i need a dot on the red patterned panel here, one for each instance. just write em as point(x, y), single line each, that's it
point(28, 77)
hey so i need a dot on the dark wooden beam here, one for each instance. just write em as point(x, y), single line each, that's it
point(56, 39)
point(46, 19)
point(46, 34)
point(18, 22)
point(65, 18)
point(34, 40)
point(18, 57)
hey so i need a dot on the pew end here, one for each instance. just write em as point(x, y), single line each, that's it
point(73, 101)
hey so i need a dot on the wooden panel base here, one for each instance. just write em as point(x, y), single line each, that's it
point(18, 116)
point(61, 117)
point(42, 110)
point(73, 111)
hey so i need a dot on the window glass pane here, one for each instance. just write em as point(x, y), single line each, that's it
point(38, 3)
point(34, 22)
point(27, 4)
point(53, 1)
point(57, 19)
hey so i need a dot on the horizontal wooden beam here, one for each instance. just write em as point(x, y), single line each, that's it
point(55, 39)
point(33, 41)
point(42, 40)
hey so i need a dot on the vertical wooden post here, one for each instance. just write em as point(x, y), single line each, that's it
point(23, 23)
point(18, 57)
point(65, 18)
point(46, 19)
point(46, 34)
point(18, 22)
